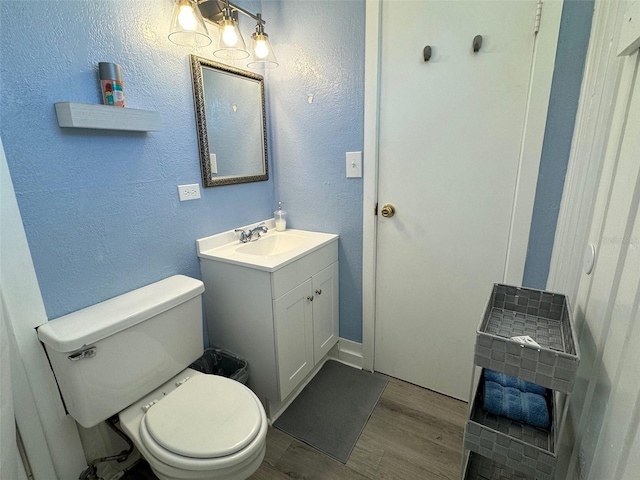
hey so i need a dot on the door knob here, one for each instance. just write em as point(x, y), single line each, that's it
point(319, 291)
point(310, 298)
point(388, 211)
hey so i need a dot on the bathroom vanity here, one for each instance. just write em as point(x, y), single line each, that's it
point(273, 301)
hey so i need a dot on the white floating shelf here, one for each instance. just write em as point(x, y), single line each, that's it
point(106, 117)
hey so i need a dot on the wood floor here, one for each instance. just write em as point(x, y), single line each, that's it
point(413, 433)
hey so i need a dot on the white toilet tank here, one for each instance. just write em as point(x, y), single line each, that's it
point(109, 355)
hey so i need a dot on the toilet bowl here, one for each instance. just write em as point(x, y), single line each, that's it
point(209, 427)
point(129, 356)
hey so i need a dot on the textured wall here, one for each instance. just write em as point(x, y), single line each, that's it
point(28, 392)
point(101, 209)
point(320, 47)
point(575, 28)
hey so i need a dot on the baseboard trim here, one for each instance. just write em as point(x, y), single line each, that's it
point(347, 352)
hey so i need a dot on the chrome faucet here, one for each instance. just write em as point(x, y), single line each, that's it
point(247, 236)
point(259, 229)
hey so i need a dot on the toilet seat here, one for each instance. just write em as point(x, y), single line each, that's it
point(206, 417)
point(209, 422)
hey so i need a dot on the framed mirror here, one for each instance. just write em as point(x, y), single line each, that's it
point(231, 123)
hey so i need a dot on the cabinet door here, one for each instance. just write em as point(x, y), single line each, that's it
point(325, 311)
point(294, 337)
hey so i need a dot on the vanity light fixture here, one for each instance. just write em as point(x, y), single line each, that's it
point(230, 45)
point(262, 55)
point(187, 25)
point(188, 28)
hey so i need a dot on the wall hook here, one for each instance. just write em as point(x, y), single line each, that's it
point(477, 43)
point(426, 53)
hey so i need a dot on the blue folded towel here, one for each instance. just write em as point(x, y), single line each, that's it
point(510, 402)
point(508, 381)
point(534, 410)
point(501, 400)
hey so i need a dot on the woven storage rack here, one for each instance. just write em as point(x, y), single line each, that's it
point(516, 445)
point(545, 317)
point(482, 468)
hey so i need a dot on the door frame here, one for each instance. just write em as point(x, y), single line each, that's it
point(531, 149)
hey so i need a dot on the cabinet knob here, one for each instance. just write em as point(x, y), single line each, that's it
point(310, 298)
point(319, 291)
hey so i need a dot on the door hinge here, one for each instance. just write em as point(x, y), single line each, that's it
point(536, 27)
point(375, 210)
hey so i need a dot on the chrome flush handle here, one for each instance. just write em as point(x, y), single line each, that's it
point(82, 354)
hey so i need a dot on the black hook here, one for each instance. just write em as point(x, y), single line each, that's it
point(426, 53)
point(477, 43)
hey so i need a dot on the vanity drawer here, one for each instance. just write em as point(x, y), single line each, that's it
point(292, 275)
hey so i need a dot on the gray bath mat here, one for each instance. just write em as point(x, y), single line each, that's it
point(333, 409)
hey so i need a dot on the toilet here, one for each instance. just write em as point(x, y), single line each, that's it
point(129, 356)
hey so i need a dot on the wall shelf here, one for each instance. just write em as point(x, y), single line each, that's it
point(106, 117)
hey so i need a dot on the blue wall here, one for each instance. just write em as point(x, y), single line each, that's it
point(320, 48)
point(101, 209)
point(575, 28)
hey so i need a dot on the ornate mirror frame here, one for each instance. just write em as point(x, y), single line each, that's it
point(197, 64)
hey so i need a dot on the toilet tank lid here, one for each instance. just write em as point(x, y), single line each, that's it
point(92, 324)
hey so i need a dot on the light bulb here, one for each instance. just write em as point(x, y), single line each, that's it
point(187, 18)
point(261, 48)
point(229, 36)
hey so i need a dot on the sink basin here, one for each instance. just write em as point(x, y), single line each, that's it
point(274, 244)
point(270, 252)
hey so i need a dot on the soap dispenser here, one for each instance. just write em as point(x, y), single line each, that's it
point(280, 217)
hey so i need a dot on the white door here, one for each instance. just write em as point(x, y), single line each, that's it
point(449, 146)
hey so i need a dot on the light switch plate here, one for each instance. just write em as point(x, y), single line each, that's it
point(354, 164)
point(189, 192)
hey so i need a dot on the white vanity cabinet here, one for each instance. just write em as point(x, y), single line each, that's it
point(283, 321)
point(306, 326)
point(325, 311)
point(293, 325)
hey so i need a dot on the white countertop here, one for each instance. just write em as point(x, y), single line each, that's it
point(283, 247)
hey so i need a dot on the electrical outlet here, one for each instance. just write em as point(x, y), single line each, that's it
point(189, 192)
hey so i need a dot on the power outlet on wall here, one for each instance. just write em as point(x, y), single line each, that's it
point(189, 192)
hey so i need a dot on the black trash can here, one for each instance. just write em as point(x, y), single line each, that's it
point(216, 361)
